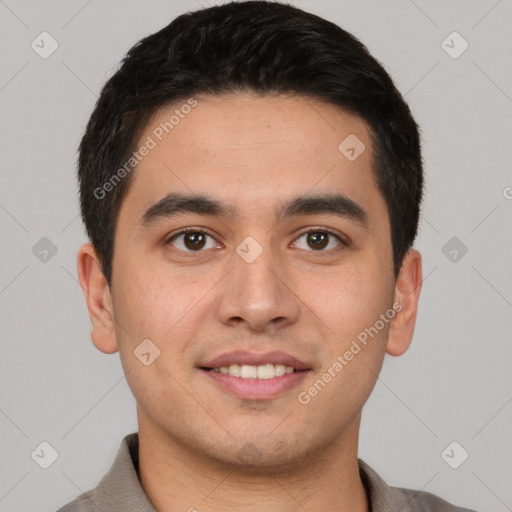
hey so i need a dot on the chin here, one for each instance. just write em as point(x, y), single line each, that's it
point(264, 456)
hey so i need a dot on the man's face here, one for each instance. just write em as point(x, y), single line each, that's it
point(250, 282)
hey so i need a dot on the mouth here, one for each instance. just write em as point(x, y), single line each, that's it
point(255, 376)
point(260, 372)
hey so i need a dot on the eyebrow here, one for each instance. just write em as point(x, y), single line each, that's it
point(175, 204)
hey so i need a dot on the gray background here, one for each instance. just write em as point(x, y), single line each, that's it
point(454, 384)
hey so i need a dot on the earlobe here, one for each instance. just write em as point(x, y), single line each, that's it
point(407, 293)
point(98, 299)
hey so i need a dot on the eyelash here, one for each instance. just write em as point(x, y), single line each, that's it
point(342, 243)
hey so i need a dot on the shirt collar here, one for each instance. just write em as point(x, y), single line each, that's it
point(120, 489)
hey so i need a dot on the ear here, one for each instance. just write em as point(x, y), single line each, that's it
point(98, 299)
point(407, 294)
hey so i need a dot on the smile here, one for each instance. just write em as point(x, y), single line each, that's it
point(264, 371)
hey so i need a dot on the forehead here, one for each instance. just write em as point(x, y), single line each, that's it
point(252, 151)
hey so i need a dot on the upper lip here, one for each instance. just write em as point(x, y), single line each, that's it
point(255, 359)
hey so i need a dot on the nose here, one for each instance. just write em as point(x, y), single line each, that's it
point(259, 294)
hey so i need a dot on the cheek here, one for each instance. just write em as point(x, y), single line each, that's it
point(148, 307)
point(348, 300)
point(164, 309)
point(348, 306)
point(150, 303)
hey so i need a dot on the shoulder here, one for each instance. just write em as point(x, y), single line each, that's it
point(83, 503)
point(120, 489)
point(419, 501)
point(110, 486)
point(384, 498)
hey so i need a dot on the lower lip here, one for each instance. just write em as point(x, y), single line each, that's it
point(256, 389)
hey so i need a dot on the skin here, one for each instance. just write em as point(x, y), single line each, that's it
point(251, 152)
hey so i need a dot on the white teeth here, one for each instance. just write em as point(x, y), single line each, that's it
point(280, 370)
point(234, 370)
point(264, 371)
point(248, 372)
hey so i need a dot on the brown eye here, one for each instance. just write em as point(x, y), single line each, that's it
point(318, 240)
point(194, 241)
point(191, 241)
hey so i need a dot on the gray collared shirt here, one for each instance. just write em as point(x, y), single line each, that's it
point(121, 491)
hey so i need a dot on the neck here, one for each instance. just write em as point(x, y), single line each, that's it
point(176, 478)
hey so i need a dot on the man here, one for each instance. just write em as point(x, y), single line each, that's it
point(251, 182)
